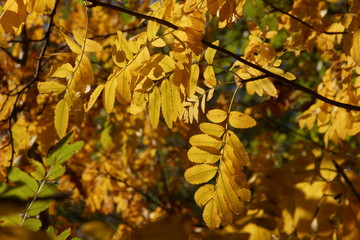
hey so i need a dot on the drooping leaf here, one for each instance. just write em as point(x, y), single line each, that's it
point(211, 216)
point(94, 95)
point(154, 107)
point(61, 117)
point(203, 195)
point(200, 173)
point(210, 53)
point(90, 45)
point(109, 93)
point(355, 49)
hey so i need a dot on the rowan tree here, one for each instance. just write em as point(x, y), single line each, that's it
point(217, 119)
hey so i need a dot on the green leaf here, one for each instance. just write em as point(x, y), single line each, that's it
point(62, 151)
point(10, 221)
point(32, 224)
point(39, 171)
point(48, 190)
point(38, 206)
point(26, 186)
point(56, 171)
point(50, 232)
point(63, 235)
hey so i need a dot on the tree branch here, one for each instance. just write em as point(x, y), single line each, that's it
point(298, 19)
point(233, 55)
point(34, 79)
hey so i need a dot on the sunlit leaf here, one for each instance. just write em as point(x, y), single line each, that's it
point(61, 117)
point(200, 173)
point(241, 120)
point(203, 195)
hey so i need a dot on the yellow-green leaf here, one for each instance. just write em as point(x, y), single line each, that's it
point(211, 216)
point(241, 120)
point(204, 194)
point(216, 115)
point(61, 117)
point(94, 95)
point(170, 101)
point(200, 173)
point(51, 87)
point(154, 107)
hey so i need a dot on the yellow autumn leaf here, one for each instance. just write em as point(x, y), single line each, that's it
point(216, 115)
point(192, 83)
point(238, 148)
point(210, 53)
point(205, 140)
point(154, 107)
point(226, 216)
point(124, 46)
point(203, 195)
point(209, 77)
point(159, 42)
point(224, 187)
point(241, 120)
point(51, 87)
point(198, 155)
point(61, 117)
point(355, 49)
point(212, 129)
point(123, 86)
point(211, 216)
point(243, 193)
point(289, 76)
point(109, 93)
point(261, 86)
point(201, 173)
point(327, 169)
point(90, 45)
point(94, 95)
point(63, 71)
point(71, 43)
point(41, 5)
point(170, 101)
